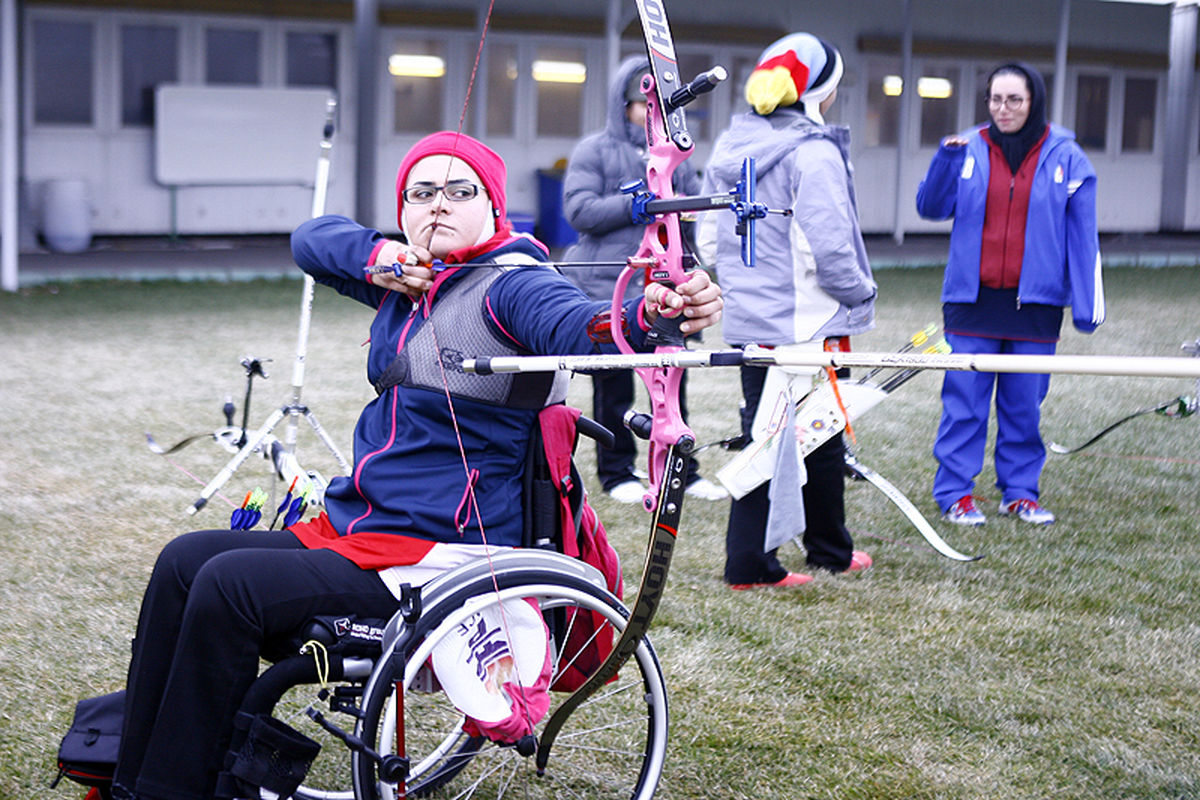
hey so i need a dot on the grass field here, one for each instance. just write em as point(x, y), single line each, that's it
point(1065, 664)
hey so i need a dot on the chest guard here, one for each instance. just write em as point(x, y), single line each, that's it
point(464, 330)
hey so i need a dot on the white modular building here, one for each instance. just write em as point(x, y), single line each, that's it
point(89, 73)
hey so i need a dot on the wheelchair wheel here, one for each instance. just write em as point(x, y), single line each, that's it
point(613, 746)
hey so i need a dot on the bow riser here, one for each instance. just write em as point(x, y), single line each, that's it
point(662, 247)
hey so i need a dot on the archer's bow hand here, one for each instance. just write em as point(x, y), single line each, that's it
point(411, 271)
point(698, 299)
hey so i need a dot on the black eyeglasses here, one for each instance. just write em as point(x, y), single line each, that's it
point(1012, 102)
point(454, 191)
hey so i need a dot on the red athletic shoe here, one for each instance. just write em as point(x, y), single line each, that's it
point(791, 579)
point(859, 560)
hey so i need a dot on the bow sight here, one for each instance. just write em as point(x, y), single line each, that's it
point(740, 200)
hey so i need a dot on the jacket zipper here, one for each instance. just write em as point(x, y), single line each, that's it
point(1012, 182)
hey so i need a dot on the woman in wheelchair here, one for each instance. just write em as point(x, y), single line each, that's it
point(438, 458)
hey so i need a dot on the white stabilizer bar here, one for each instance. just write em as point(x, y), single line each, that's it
point(681, 358)
point(1135, 366)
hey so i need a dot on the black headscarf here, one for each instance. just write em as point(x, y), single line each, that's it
point(1017, 145)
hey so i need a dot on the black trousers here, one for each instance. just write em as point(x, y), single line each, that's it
point(213, 599)
point(612, 396)
point(827, 543)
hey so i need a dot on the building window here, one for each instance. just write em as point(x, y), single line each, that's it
point(1137, 129)
point(62, 72)
point(937, 94)
point(312, 60)
point(231, 56)
point(558, 75)
point(149, 56)
point(743, 68)
point(503, 70)
point(418, 70)
point(883, 104)
point(1091, 111)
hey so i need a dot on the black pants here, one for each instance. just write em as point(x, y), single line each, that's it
point(827, 543)
point(213, 599)
point(612, 396)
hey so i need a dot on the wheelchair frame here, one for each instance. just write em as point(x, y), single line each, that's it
point(614, 746)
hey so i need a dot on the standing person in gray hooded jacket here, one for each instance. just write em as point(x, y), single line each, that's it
point(593, 203)
point(812, 284)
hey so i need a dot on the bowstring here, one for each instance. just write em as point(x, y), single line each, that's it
point(473, 503)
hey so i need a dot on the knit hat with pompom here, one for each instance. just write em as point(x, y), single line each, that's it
point(799, 69)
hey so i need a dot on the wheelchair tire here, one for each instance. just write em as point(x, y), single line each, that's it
point(612, 746)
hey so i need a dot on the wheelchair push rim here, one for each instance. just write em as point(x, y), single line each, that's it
point(613, 746)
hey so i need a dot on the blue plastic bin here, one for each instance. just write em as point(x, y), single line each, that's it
point(552, 226)
point(522, 223)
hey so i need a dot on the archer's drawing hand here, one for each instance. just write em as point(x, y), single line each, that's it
point(698, 299)
point(416, 274)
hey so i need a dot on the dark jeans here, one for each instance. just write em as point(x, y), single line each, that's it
point(213, 599)
point(612, 396)
point(827, 543)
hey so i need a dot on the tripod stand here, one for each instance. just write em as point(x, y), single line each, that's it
point(284, 456)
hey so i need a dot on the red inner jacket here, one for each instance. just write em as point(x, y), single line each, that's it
point(1004, 218)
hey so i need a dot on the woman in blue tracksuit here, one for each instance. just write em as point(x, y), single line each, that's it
point(1024, 245)
point(435, 482)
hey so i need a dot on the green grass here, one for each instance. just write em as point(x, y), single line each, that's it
point(1064, 664)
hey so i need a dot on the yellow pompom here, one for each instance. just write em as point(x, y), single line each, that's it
point(768, 89)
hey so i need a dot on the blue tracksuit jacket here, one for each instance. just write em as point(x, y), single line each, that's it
point(408, 472)
point(1062, 249)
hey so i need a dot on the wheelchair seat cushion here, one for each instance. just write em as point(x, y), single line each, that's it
point(341, 634)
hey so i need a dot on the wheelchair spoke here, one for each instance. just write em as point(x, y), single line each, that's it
point(579, 651)
point(612, 747)
point(500, 765)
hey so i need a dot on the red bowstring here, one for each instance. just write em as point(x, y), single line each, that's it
point(473, 502)
point(487, 19)
point(462, 116)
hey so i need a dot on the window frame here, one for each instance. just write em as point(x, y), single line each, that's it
point(1158, 116)
point(1112, 126)
point(208, 25)
point(181, 43)
point(98, 68)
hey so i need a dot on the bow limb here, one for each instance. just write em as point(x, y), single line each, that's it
point(670, 439)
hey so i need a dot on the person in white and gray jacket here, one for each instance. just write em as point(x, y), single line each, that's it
point(812, 282)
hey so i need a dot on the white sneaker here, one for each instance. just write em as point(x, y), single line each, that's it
point(964, 512)
point(627, 492)
point(706, 490)
point(1027, 511)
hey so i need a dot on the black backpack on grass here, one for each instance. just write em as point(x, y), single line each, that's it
point(88, 752)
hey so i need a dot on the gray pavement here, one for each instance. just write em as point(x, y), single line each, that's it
point(234, 258)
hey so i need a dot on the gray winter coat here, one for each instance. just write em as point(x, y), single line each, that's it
point(813, 279)
point(592, 200)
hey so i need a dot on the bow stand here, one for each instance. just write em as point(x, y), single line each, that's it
point(283, 454)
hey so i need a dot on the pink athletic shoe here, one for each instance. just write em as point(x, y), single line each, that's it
point(791, 579)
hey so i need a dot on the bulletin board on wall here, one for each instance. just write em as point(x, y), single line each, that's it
point(213, 135)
